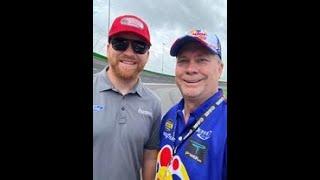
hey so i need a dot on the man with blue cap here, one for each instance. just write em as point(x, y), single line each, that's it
point(193, 133)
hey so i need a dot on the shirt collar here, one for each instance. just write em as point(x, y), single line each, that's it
point(107, 84)
point(204, 106)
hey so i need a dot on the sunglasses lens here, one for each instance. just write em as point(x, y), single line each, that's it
point(139, 47)
point(119, 44)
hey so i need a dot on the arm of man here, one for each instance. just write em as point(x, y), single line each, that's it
point(152, 148)
point(149, 164)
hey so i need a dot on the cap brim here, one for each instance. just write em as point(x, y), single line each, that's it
point(133, 32)
point(177, 45)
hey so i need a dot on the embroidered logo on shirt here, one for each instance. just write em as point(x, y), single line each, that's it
point(196, 151)
point(97, 108)
point(169, 125)
point(202, 134)
point(144, 112)
point(169, 136)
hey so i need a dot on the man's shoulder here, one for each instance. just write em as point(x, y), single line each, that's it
point(99, 74)
point(225, 103)
point(98, 81)
point(225, 99)
point(172, 111)
point(96, 76)
point(148, 93)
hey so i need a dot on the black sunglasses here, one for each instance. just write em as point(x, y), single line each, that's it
point(122, 44)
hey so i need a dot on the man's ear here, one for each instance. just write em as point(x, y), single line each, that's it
point(221, 65)
point(107, 48)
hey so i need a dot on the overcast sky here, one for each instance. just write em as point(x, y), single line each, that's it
point(167, 20)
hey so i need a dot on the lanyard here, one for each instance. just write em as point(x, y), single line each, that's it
point(187, 133)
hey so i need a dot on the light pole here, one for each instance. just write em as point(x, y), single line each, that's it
point(108, 17)
point(163, 44)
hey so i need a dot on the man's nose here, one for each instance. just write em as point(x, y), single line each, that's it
point(192, 67)
point(129, 50)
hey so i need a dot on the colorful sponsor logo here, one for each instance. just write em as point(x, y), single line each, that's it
point(169, 125)
point(196, 151)
point(168, 165)
point(200, 34)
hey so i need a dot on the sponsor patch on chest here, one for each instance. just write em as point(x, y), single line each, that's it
point(97, 108)
point(144, 112)
point(202, 134)
point(196, 150)
point(168, 125)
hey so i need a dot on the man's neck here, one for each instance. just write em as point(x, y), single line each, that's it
point(123, 85)
point(190, 105)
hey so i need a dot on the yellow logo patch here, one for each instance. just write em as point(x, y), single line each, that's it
point(169, 125)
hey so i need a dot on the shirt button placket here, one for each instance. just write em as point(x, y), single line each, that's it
point(123, 117)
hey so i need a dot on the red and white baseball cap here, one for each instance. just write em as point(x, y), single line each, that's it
point(130, 23)
point(208, 40)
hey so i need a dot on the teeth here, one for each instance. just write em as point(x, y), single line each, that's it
point(128, 62)
point(192, 81)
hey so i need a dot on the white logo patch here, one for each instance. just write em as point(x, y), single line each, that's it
point(169, 136)
point(202, 134)
point(130, 21)
point(140, 111)
point(97, 108)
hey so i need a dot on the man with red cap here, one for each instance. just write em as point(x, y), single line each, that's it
point(126, 114)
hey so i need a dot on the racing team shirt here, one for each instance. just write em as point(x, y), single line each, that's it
point(203, 154)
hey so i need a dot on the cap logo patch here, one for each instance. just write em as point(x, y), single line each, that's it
point(200, 34)
point(133, 22)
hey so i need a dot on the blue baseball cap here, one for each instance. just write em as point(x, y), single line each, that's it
point(210, 41)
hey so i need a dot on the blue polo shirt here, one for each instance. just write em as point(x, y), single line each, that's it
point(203, 154)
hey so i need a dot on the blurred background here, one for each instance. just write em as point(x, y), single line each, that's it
point(167, 20)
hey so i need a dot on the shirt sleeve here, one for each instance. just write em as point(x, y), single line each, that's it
point(154, 142)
